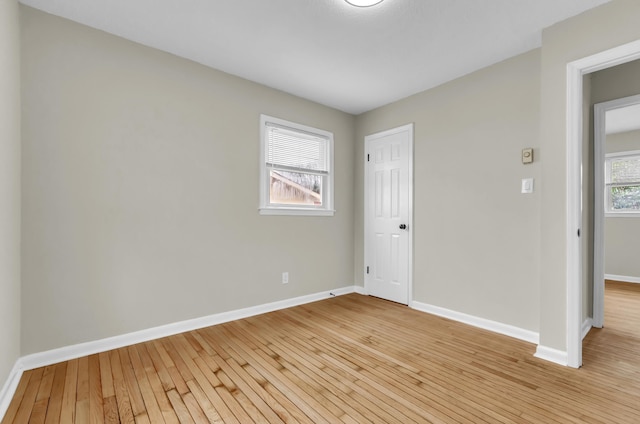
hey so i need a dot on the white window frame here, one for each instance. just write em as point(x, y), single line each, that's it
point(609, 157)
point(265, 207)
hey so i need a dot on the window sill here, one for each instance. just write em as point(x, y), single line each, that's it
point(622, 215)
point(296, 212)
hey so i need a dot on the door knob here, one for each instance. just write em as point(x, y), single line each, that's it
point(403, 227)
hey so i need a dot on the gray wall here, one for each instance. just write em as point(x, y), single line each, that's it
point(476, 237)
point(140, 190)
point(622, 235)
point(9, 187)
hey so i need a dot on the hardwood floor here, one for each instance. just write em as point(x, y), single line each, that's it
point(350, 359)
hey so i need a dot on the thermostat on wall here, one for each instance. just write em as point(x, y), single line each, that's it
point(527, 155)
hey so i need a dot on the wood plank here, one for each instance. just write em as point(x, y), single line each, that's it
point(125, 412)
point(150, 403)
point(196, 412)
point(133, 389)
point(207, 407)
point(44, 391)
point(96, 400)
point(68, 411)
point(106, 378)
point(159, 393)
point(160, 367)
point(29, 398)
point(110, 408)
point(82, 391)
point(181, 409)
point(54, 406)
point(17, 399)
point(211, 386)
point(39, 412)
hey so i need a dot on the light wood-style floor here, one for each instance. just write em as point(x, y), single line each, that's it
point(350, 359)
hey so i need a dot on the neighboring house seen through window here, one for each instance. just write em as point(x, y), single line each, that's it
point(622, 184)
point(296, 175)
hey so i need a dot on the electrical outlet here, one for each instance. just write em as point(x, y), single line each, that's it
point(285, 278)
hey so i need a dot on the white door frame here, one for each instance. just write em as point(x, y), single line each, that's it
point(575, 72)
point(408, 128)
point(600, 136)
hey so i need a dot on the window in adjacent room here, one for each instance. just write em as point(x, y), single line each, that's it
point(296, 175)
point(622, 184)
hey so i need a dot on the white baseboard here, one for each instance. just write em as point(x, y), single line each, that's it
point(66, 353)
point(623, 278)
point(586, 327)
point(496, 327)
point(559, 357)
point(9, 388)
point(360, 290)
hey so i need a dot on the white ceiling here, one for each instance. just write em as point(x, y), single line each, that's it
point(352, 59)
point(623, 119)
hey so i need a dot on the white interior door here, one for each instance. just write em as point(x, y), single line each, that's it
point(388, 213)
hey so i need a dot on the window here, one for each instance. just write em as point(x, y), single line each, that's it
point(296, 175)
point(622, 184)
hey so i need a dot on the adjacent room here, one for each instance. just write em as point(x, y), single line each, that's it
point(319, 211)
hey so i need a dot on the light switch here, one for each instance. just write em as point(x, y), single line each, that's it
point(527, 185)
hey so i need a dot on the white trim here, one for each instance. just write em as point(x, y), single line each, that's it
point(552, 355)
point(616, 104)
point(295, 212)
point(575, 72)
point(409, 128)
point(494, 326)
point(9, 388)
point(622, 278)
point(66, 353)
point(622, 215)
point(360, 290)
point(599, 136)
point(586, 327)
point(574, 217)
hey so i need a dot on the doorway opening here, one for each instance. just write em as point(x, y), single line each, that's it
point(616, 136)
point(575, 96)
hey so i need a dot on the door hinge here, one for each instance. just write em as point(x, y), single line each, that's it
point(367, 270)
point(578, 232)
point(367, 157)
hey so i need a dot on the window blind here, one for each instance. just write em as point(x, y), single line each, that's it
point(625, 170)
point(296, 150)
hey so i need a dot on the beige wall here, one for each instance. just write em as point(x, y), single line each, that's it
point(140, 190)
point(9, 187)
point(615, 83)
point(476, 237)
point(599, 29)
point(140, 186)
point(622, 235)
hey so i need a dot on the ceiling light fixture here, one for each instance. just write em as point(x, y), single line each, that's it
point(363, 3)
